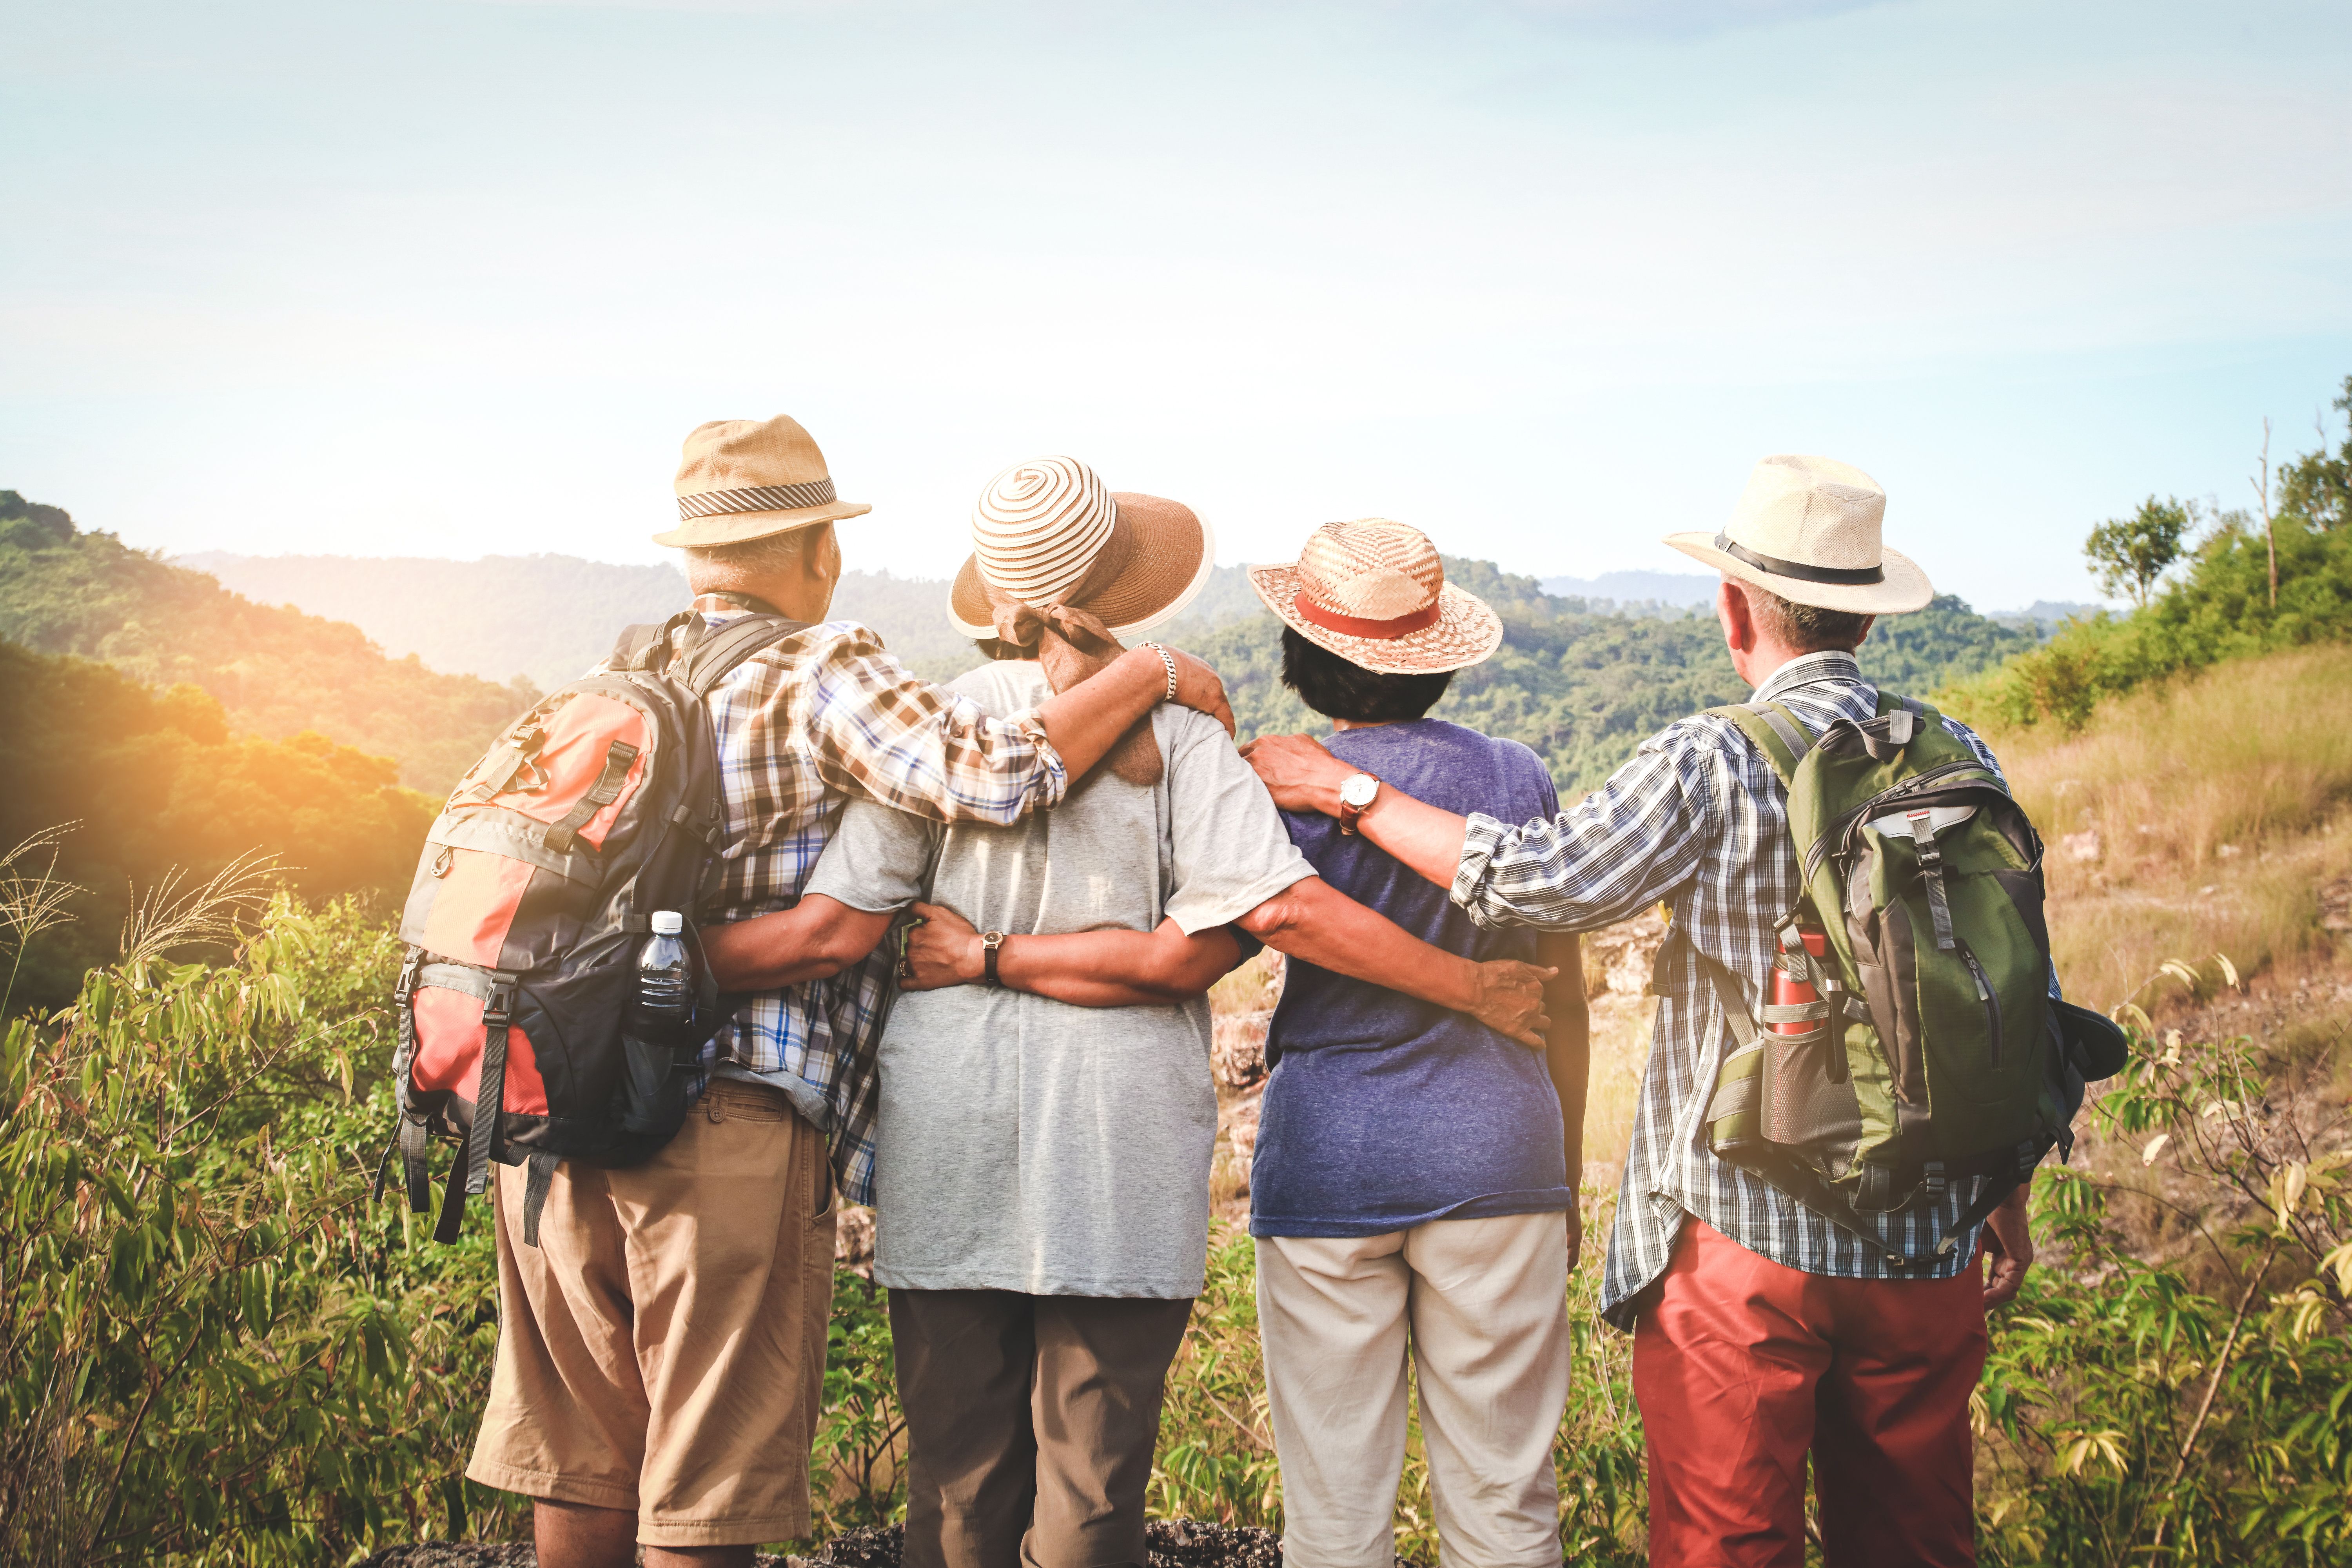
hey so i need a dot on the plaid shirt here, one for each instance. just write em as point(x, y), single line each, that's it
point(1699, 820)
point(823, 715)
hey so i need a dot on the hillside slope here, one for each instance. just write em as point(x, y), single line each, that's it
point(275, 671)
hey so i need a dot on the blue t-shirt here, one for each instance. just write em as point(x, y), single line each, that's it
point(1384, 1113)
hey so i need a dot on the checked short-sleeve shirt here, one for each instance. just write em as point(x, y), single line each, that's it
point(1698, 820)
point(801, 726)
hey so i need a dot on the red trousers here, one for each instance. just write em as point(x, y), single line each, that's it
point(1742, 1365)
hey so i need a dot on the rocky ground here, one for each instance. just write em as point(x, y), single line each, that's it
point(1168, 1544)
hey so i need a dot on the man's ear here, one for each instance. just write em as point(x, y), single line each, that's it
point(1738, 625)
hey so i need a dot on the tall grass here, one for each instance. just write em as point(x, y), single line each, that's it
point(2193, 817)
point(2246, 752)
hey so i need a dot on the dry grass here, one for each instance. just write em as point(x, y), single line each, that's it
point(2198, 818)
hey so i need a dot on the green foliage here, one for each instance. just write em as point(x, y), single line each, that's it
point(273, 671)
point(1583, 689)
point(2218, 610)
point(212, 1344)
point(856, 1466)
point(155, 780)
point(2128, 554)
point(209, 1344)
point(2196, 1409)
point(2318, 486)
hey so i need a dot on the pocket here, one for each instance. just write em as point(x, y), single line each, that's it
point(1979, 1035)
point(654, 1090)
point(825, 1193)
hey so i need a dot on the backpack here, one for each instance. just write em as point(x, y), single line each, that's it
point(533, 898)
point(1933, 1051)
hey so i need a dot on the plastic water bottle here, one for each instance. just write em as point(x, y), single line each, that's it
point(664, 978)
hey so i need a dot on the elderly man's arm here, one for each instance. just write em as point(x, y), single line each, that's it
point(1620, 849)
point(815, 939)
point(1310, 920)
point(880, 733)
point(1085, 968)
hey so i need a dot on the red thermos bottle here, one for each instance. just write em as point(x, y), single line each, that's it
point(1792, 987)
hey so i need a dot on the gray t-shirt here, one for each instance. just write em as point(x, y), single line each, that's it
point(1022, 1143)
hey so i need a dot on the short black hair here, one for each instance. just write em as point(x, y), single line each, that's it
point(1339, 688)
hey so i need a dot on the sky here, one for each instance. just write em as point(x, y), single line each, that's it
point(1543, 278)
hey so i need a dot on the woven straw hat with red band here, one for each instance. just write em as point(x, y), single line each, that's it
point(1374, 592)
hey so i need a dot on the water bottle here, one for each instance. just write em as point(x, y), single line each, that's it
point(660, 1070)
point(664, 978)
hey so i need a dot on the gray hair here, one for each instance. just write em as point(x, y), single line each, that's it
point(715, 566)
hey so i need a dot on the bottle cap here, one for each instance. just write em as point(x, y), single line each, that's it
point(669, 923)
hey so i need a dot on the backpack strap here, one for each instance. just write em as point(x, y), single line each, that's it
point(414, 1146)
point(647, 647)
point(536, 1185)
point(727, 645)
point(1774, 730)
point(562, 832)
point(470, 1174)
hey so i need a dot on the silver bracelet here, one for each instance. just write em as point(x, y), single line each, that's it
point(1170, 660)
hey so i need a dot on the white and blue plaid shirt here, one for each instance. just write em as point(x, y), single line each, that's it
point(801, 726)
point(1697, 819)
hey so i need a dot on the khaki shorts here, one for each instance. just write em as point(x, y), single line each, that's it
point(662, 1349)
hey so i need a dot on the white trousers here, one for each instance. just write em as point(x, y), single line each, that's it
point(1480, 1306)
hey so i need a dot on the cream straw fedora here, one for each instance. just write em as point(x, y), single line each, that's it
point(1374, 592)
point(1808, 529)
point(742, 479)
point(1049, 531)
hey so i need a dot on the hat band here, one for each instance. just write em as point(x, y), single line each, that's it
point(1855, 577)
point(755, 498)
point(1357, 626)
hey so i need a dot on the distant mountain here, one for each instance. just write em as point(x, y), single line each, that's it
point(2043, 615)
point(1638, 593)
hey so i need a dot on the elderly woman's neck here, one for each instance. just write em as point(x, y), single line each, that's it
point(1360, 723)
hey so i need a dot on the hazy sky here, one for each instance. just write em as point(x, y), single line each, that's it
point(1543, 279)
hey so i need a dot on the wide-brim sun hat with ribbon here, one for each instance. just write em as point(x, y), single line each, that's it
point(1050, 531)
point(740, 479)
point(1375, 592)
point(1811, 529)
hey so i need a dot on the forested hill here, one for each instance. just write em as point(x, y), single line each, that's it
point(1580, 683)
point(1583, 688)
point(275, 671)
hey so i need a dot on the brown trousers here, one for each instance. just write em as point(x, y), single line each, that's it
point(1030, 1423)
point(661, 1350)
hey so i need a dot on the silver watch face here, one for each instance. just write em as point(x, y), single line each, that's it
point(1358, 791)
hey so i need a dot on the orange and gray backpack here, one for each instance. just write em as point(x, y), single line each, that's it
point(535, 892)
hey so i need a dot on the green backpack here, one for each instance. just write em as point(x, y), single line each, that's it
point(1934, 1051)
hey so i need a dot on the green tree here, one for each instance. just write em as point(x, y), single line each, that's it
point(2129, 554)
point(2318, 486)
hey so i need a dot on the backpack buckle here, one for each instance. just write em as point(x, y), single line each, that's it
point(497, 1009)
point(1936, 1183)
point(406, 986)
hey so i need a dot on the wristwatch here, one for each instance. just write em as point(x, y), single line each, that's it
point(990, 941)
point(1356, 797)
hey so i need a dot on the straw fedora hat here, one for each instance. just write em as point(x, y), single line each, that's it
point(1048, 531)
point(1374, 592)
point(1808, 529)
point(742, 479)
